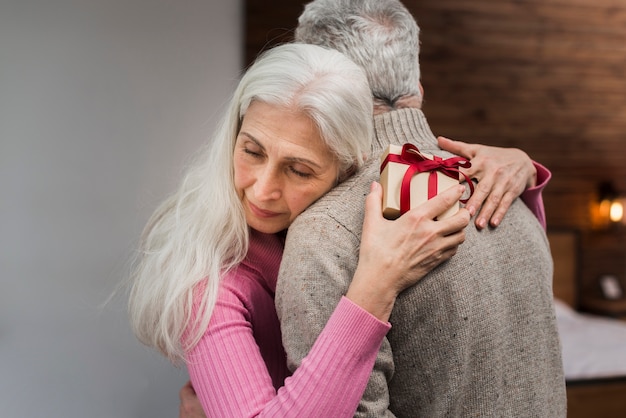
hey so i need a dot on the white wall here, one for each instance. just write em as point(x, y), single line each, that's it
point(101, 104)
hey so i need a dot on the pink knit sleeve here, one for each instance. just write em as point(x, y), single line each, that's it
point(231, 379)
point(532, 196)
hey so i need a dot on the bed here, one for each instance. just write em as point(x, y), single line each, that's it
point(594, 347)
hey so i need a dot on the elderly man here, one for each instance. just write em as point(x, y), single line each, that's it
point(477, 336)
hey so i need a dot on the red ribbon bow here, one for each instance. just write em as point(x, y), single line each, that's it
point(418, 163)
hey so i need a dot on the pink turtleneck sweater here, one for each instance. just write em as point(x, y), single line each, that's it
point(239, 368)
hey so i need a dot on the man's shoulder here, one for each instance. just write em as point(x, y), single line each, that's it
point(343, 204)
point(519, 240)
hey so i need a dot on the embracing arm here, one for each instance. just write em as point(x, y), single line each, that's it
point(309, 285)
point(324, 260)
point(231, 379)
point(503, 174)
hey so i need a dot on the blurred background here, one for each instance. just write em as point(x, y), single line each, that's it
point(102, 103)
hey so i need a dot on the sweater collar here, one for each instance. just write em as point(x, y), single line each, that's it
point(402, 126)
point(264, 255)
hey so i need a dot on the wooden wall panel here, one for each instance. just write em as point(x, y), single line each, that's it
point(547, 76)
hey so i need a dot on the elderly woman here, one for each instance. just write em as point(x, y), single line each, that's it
point(203, 287)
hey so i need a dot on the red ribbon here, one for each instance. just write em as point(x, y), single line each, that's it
point(418, 163)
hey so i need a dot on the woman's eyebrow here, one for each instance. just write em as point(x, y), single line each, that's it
point(303, 161)
point(252, 138)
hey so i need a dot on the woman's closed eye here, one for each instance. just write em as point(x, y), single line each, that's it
point(300, 173)
point(253, 152)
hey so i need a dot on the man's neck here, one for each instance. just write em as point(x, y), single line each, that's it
point(401, 126)
point(402, 102)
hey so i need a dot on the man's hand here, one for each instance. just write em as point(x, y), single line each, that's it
point(190, 406)
point(502, 174)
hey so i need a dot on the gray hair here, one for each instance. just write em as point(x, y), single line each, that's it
point(379, 35)
point(200, 231)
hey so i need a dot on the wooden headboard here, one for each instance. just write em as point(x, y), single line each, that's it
point(564, 245)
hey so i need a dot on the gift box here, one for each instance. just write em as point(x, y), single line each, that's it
point(410, 177)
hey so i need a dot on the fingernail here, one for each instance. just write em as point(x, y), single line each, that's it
point(481, 223)
point(471, 210)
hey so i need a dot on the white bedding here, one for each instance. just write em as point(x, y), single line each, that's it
point(593, 346)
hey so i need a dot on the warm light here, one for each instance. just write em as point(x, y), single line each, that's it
point(607, 209)
point(616, 212)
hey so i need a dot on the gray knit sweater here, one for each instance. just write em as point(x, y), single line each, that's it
point(477, 337)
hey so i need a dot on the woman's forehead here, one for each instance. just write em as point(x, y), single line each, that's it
point(284, 129)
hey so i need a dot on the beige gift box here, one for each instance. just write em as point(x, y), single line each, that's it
point(391, 181)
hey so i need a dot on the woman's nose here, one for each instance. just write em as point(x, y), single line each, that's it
point(267, 185)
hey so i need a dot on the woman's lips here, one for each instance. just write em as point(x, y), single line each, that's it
point(261, 213)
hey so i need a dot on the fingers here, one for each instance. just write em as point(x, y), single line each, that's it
point(373, 202)
point(186, 391)
point(494, 209)
point(455, 225)
point(459, 148)
point(494, 201)
point(440, 203)
point(373, 205)
point(430, 209)
point(439, 247)
point(502, 174)
point(481, 192)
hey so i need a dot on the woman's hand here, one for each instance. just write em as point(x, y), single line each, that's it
point(190, 406)
point(397, 254)
point(502, 174)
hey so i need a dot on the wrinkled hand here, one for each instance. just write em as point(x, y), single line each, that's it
point(502, 173)
point(397, 254)
point(190, 406)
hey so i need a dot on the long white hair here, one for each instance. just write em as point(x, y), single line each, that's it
point(200, 232)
